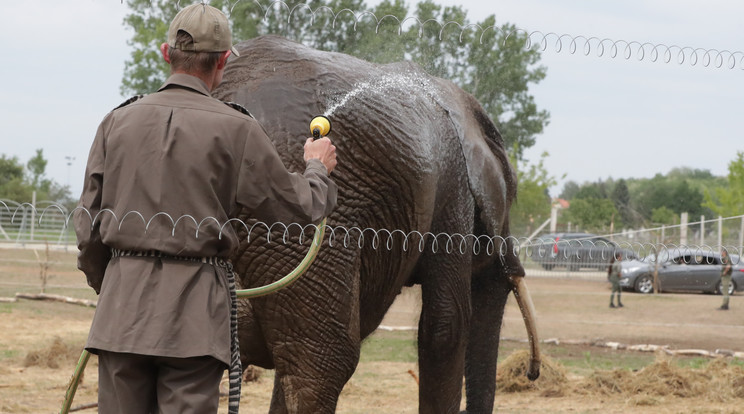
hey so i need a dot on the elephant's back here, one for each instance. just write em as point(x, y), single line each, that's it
point(283, 82)
point(387, 124)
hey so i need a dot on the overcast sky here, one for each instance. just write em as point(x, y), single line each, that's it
point(63, 62)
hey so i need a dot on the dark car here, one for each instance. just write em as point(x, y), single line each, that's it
point(681, 270)
point(575, 251)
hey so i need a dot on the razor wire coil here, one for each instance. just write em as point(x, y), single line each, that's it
point(543, 41)
point(716, 58)
point(355, 237)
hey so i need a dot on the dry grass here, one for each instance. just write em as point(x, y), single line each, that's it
point(718, 381)
point(52, 356)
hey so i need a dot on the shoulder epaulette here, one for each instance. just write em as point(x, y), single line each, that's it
point(130, 100)
point(238, 107)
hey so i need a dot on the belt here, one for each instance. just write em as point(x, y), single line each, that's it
point(215, 261)
point(236, 368)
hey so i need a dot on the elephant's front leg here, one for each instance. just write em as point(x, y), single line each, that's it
point(490, 291)
point(443, 329)
point(314, 384)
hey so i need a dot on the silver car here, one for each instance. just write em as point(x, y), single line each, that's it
point(681, 270)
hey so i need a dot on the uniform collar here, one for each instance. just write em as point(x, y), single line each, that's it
point(186, 81)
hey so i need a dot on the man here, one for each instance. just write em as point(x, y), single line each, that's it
point(164, 174)
point(613, 274)
point(726, 271)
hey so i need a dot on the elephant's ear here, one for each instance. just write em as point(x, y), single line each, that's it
point(492, 180)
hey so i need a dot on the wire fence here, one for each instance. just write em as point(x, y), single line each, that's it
point(48, 222)
point(720, 231)
point(38, 222)
point(569, 252)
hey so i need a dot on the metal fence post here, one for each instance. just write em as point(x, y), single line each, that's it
point(554, 218)
point(33, 215)
point(702, 230)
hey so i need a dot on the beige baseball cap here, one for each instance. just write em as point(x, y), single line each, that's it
point(208, 27)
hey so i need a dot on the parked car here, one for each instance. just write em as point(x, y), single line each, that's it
point(575, 251)
point(681, 270)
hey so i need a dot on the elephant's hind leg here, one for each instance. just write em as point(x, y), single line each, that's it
point(443, 329)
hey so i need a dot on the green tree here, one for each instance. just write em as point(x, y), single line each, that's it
point(592, 214)
point(729, 200)
point(12, 180)
point(533, 203)
point(687, 198)
point(675, 193)
point(492, 64)
point(570, 189)
point(656, 200)
point(147, 70)
point(18, 182)
point(498, 74)
point(37, 169)
point(377, 38)
point(425, 47)
point(663, 215)
point(10, 169)
point(621, 197)
point(596, 190)
point(690, 174)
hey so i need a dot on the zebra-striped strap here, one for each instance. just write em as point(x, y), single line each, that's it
point(238, 107)
point(236, 368)
point(130, 100)
point(215, 261)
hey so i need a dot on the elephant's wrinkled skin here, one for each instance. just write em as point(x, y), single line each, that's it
point(421, 156)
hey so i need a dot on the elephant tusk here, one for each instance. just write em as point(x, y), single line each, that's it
point(524, 300)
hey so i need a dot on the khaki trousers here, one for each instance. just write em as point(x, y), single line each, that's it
point(725, 283)
point(142, 384)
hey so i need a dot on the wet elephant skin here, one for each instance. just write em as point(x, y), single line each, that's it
point(420, 156)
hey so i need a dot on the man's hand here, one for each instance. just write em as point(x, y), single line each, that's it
point(321, 149)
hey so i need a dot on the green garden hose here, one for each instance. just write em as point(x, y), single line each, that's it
point(74, 381)
point(293, 275)
point(242, 294)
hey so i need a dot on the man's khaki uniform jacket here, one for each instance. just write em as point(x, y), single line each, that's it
point(160, 169)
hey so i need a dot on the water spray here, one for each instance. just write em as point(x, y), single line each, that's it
point(320, 126)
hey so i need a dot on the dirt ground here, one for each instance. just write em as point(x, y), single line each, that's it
point(567, 309)
point(570, 309)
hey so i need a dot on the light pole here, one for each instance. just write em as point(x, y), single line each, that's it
point(69, 164)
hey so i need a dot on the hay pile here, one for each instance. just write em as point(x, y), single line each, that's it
point(511, 375)
point(718, 381)
point(52, 355)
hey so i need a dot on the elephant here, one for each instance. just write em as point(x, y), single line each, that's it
point(417, 155)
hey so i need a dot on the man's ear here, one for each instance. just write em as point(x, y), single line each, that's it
point(164, 48)
point(223, 59)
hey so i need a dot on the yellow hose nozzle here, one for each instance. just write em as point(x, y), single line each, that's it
point(320, 126)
